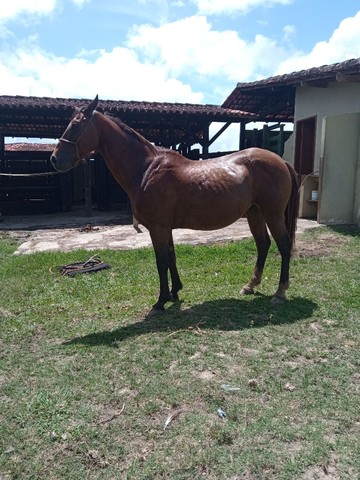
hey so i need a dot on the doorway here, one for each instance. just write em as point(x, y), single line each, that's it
point(305, 146)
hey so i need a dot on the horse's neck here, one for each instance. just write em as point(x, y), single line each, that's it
point(126, 156)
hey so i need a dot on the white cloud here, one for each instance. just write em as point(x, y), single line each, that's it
point(213, 7)
point(11, 9)
point(113, 75)
point(192, 45)
point(342, 45)
point(80, 3)
point(173, 62)
point(289, 31)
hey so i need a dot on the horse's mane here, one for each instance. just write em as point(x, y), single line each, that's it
point(130, 131)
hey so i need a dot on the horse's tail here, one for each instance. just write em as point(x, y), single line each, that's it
point(292, 207)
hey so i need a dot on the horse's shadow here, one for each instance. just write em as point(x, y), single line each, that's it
point(217, 315)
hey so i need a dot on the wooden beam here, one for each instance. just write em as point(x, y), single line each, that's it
point(343, 78)
point(217, 135)
point(314, 83)
point(2, 147)
point(87, 182)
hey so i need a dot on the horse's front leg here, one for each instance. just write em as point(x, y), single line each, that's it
point(160, 241)
point(176, 284)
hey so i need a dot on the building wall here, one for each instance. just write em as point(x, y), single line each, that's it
point(336, 99)
point(356, 210)
point(289, 149)
point(337, 147)
point(340, 170)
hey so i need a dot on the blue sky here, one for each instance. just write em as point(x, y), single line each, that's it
point(191, 51)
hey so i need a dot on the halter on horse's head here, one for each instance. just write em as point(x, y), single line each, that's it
point(78, 137)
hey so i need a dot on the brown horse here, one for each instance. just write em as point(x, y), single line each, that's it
point(169, 191)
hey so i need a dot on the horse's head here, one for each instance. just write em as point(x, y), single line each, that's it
point(78, 140)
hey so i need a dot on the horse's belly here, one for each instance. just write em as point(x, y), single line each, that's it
point(212, 208)
point(212, 217)
point(206, 225)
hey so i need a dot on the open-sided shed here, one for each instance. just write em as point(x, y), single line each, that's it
point(185, 127)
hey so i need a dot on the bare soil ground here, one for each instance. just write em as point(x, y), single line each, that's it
point(323, 245)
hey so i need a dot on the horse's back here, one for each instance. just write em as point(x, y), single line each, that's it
point(258, 156)
point(212, 193)
point(264, 175)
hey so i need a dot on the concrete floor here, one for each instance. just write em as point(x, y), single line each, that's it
point(73, 230)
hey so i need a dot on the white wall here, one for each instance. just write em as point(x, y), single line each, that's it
point(289, 149)
point(336, 99)
point(339, 169)
point(356, 209)
point(337, 147)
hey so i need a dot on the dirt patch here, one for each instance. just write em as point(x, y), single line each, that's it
point(324, 245)
point(206, 375)
point(327, 471)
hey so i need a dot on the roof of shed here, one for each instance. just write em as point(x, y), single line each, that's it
point(273, 98)
point(29, 147)
point(165, 123)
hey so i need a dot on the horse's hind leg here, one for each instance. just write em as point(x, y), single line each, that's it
point(258, 229)
point(160, 241)
point(280, 234)
point(176, 284)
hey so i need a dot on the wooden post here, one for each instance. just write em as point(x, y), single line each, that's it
point(2, 149)
point(87, 182)
point(242, 136)
point(2, 160)
point(205, 142)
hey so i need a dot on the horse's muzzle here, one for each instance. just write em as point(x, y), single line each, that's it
point(59, 166)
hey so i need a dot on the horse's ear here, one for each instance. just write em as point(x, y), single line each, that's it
point(91, 107)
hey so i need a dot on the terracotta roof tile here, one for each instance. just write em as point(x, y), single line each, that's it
point(29, 147)
point(273, 98)
point(166, 122)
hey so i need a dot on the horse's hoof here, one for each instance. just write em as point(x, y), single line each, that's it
point(247, 291)
point(158, 307)
point(277, 301)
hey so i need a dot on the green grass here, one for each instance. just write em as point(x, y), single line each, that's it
point(88, 378)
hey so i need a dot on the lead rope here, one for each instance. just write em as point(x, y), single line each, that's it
point(92, 265)
point(40, 174)
point(316, 172)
